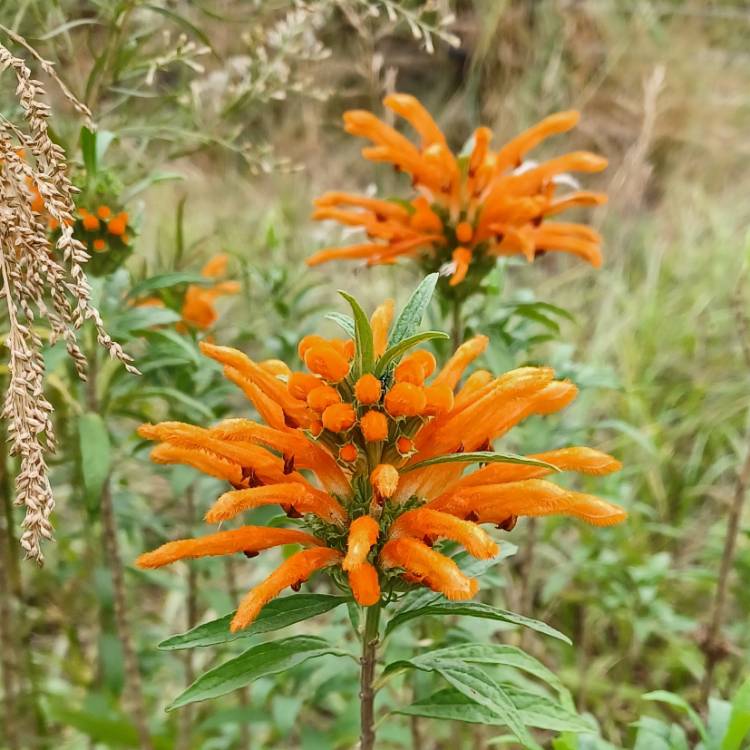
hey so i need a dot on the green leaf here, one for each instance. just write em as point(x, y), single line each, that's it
point(88, 150)
point(96, 456)
point(477, 457)
point(739, 719)
point(365, 355)
point(411, 316)
point(345, 322)
point(166, 281)
point(396, 351)
point(664, 696)
point(536, 711)
point(476, 685)
point(500, 655)
point(277, 614)
point(541, 306)
point(174, 395)
point(258, 661)
point(141, 319)
point(474, 609)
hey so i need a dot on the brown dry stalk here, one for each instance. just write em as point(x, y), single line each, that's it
point(39, 281)
point(714, 646)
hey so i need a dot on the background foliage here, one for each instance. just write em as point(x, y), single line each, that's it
point(223, 122)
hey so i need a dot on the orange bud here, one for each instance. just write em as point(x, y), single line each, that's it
point(339, 417)
point(324, 360)
point(320, 398)
point(103, 212)
point(300, 384)
point(464, 232)
point(374, 426)
point(90, 222)
point(439, 399)
point(316, 427)
point(367, 389)
point(348, 453)
point(100, 245)
point(384, 479)
point(405, 446)
point(405, 400)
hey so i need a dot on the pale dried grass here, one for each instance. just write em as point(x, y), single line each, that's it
point(39, 281)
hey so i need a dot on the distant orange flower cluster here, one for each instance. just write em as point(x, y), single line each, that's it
point(198, 308)
point(102, 228)
point(465, 208)
point(198, 305)
point(363, 449)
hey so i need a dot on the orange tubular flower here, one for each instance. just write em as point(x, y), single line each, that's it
point(381, 476)
point(198, 307)
point(463, 211)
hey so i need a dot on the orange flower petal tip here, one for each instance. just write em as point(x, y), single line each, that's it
point(300, 384)
point(365, 586)
point(324, 360)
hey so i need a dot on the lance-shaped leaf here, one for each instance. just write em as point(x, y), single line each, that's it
point(394, 353)
point(474, 609)
point(168, 280)
point(365, 354)
point(345, 322)
point(411, 316)
point(258, 661)
point(277, 614)
point(480, 457)
point(536, 711)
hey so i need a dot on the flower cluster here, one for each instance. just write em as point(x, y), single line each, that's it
point(467, 209)
point(197, 307)
point(383, 438)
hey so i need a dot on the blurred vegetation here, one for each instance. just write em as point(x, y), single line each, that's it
point(224, 120)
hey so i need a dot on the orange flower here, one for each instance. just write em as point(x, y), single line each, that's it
point(374, 491)
point(198, 306)
point(100, 245)
point(493, 203)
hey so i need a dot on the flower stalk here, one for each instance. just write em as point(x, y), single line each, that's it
point(367, 691)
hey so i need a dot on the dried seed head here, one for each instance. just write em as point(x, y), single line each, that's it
point(38, 281)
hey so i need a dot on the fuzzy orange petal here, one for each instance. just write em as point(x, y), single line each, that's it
point(437, 571)
point(301, 497)
point(425, 522)
point(244, 539)
point(363, 533)
point(296, 569)
point(365, 585)
point(461, 359)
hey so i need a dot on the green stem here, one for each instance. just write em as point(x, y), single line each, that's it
point(370, 640)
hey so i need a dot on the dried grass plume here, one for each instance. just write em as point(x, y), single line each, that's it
point(38, 281)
